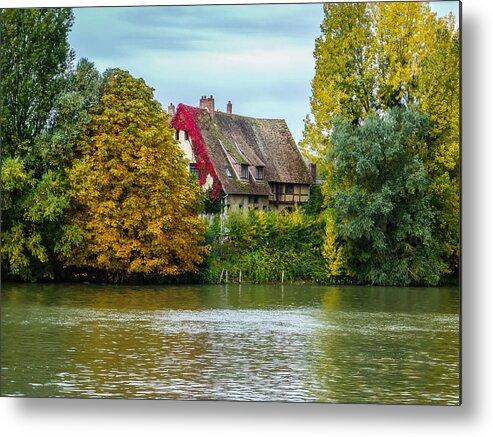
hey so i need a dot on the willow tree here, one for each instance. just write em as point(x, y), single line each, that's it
point(372, 57)
point(380, 201)
point(135, 205)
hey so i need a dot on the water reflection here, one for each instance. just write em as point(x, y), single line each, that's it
point(391, 350)
point(238, 342)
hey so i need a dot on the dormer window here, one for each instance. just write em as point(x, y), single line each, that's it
point(177, 135)
point(227, 171)
point(260, 172)
point(244, 171)
point(186, 135)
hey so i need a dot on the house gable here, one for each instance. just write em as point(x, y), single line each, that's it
point(243, 155)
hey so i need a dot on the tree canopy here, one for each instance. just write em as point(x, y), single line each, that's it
point(36, 65)
point(35, 57)
point(380, 203)
point(371, 58)
point(91, 174)
point(135, 206)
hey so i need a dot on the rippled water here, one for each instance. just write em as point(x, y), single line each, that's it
point(291, 343)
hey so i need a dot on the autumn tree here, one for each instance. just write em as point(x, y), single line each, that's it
point(135, 205)
point(372, 57)
point(439, 98)
point(344, 76)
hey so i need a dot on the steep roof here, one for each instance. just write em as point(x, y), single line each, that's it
point(268, 141)
point(231, 139)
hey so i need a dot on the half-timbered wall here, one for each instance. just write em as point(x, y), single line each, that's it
point(288, 195)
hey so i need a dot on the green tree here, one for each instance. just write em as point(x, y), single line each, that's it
point(439, 97)
point(315, 204)
point(373, 57)
point(135, 206)
point(35, 55)
point(35, 188)
point(32, 216)
point(380, 202)
point(345, 74)
point(35, 61)
point(55, 148)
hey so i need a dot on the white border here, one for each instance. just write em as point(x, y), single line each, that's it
point(56, 417)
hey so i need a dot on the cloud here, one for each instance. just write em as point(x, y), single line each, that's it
point(289, 21)
point(259, 56)
point(190, 28)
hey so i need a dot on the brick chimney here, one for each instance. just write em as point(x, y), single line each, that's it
point(229, 107)
point(207, 103)
point(171, 109)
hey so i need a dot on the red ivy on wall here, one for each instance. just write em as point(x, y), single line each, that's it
point(185, 119)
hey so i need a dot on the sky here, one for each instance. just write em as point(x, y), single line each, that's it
point(258, 56)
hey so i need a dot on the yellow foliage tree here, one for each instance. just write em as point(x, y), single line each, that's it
point(372, 57)
point(345, 74)
point(135, 206)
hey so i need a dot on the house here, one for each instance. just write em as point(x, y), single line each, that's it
point(254, 162)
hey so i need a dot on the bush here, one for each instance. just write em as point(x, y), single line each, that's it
point(264, 245)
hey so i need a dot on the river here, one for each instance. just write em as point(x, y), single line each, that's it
point(231, 342)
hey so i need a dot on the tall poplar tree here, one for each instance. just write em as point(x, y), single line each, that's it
point(35, 55)
point(372, 57)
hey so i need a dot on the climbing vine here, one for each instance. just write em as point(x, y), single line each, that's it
point(186, 119)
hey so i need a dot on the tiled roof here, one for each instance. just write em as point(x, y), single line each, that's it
point(233, 139)
point(268, 141)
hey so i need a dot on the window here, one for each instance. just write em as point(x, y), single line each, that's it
point(244, 171)
point(227, 171)
point(186, 135)
point(177, 135)
point(252, 199)
point(289, 189)
point(260, 172)
point(194, 169)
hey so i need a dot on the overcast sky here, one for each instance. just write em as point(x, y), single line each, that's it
point(258, 56)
